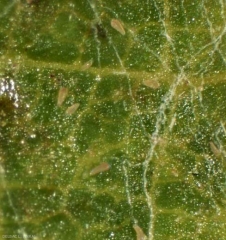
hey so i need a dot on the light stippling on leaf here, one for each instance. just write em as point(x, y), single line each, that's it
point(70, 110)
point(104, 166)
point(151, 83)
point(117, 25)
point(139, 232)
point(87, 65)
point(62, 94)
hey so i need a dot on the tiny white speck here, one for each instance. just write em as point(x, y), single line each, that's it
point(98, 78)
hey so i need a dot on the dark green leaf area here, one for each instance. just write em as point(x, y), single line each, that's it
point(89, 131)
point(185, 118)
point(84, 83)
point(217, 63)
point(66, 229)
point(90, 53)
point(115, 175)
point(199, 142)
point(107, 52)
point(6, 9)
point(113, 132)
point(11, 228)
point(170, 225)
point(8, 110)
point(125, 232)
point(214, 99)
point(143, 120)
point(183, 41)
point(84, 7)
point(46, 109)
point(68, 26)
point(114, 87)
point(192, 15)
point(142, 212)
point(80, 206)
point(31, 202)
point(142, 62)
point(136, 180)
point(112, 110)
point(3, 43)
point(46, 48)
point(91, 208)
point(182, 196)
point(148, 99)
point(129, 14)
point(182, 157)
point(152, 38)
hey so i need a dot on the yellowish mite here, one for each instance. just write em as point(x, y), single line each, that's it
point(215, 150)
point(70, 110)
point(117, 25)
point(87, 65)
point(139, 232)
point(62, 94)
point(104, 166)
point(151, 83)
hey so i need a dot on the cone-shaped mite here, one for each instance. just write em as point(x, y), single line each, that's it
point(104, 166)
point(87, 65)
point(214, 149)
point(62, 94)
point(139, 232)
point(70, 110)
point(117, 25)
point(151, 83)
